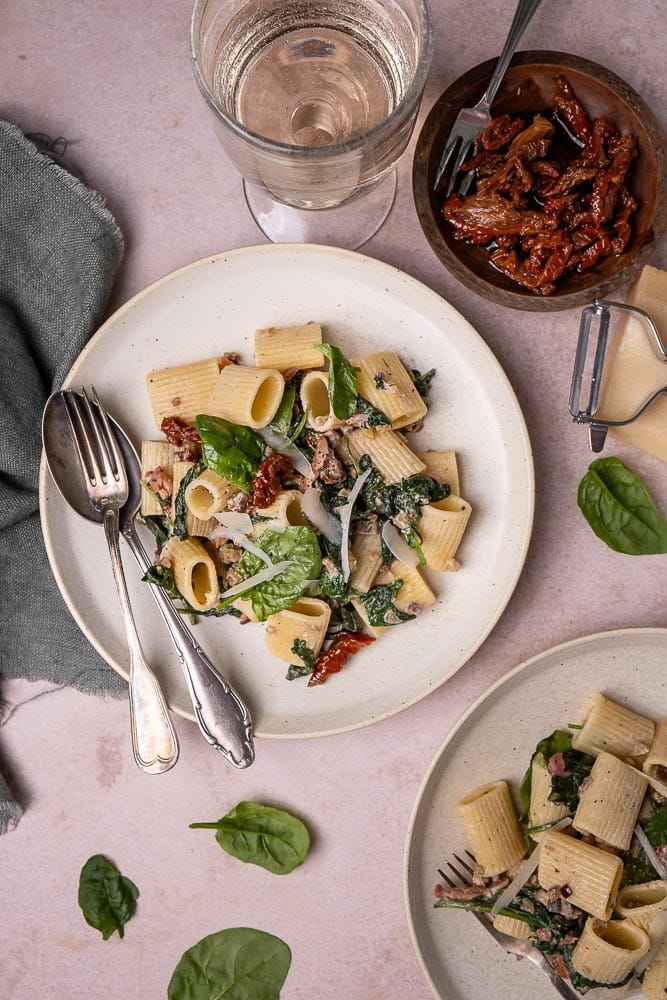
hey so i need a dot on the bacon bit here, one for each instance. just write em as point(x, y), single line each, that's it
point(558, 963)
point(177, 431)
point(661, 853)
point(268, 479)
point(227, 359)
point(345, 645)
point(289, 373)
point(325, 464)
point(565, 891)
point(556, 765)
point(543, 934)
point(243, 620)
point(240, 502)
point(160, 482)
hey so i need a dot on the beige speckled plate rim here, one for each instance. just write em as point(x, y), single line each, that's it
point(430, 297)
point(558, 650)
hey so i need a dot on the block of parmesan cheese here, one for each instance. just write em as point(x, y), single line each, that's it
point(633, 369)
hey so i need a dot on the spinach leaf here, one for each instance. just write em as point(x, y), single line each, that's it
point(342, 619)
point(302, 649)
point(620, 510)
point(638, 868)
point(262, 835)
point(297, 544)
point(342, 384)
point(331, 582)
point(158, 525)
point(564, 787)
point(179, 500)
point(422, 383)
point(107, 898)
point(374, 417)
point(282, 421)
point(379, 605)
point(232, 451)
point(239, 963)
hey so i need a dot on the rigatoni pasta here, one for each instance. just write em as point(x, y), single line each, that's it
point(288, 498)
point(593, 892)
point(492, 828)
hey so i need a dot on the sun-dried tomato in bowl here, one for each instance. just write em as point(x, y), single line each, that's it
point(551, 196)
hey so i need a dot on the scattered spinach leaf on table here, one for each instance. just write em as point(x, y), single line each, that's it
point(620, 510)
point(261, 835)
point(239, 963)
point(107, 898)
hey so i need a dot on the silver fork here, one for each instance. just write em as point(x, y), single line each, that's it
point(154, 742)
point(514, 945)
point(471, 122)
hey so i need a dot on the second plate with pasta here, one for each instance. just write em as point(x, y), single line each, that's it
point(214, 307)
point(494, 742)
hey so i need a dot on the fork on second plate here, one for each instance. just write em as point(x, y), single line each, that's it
point(463, 872)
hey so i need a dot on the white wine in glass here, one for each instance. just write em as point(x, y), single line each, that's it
point(315, 100)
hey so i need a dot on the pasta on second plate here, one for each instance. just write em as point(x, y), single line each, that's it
point(581, 869)
point(286, 492)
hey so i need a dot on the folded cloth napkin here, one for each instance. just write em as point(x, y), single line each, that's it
point(60, 249)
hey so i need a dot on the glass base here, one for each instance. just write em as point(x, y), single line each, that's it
point(348, 225)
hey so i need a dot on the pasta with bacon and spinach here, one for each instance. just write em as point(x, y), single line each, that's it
point(581, 869)
point(287, 492)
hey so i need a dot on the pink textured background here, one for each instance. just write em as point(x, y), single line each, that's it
point(115, 79)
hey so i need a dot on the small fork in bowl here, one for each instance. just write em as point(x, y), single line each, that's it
point(154, 742)
point(471, 122)
point(514, 945)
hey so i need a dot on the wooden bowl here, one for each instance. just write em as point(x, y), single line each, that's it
point(529, 87)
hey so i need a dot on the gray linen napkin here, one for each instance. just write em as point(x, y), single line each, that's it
point(59, 252)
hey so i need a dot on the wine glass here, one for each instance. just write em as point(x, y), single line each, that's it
point(314, 102)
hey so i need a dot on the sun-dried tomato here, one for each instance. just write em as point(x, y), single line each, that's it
point(177, 431)
point(345, 645)
point(269, 477)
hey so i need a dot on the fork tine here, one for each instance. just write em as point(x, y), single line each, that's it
point(463, 153)
point(110, 436)
point(463, 864)
point(446, 878)
point(463, 878)
point(464, 186)
point(85, 450)
point(445, 158)
point(109, 472)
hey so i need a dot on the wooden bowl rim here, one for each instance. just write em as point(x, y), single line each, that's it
point(422, 182)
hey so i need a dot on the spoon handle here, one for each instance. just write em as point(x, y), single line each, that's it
point(221, 715)
point(154, 742)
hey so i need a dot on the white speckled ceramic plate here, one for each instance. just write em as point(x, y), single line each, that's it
point(495, 739)
point(215, 305)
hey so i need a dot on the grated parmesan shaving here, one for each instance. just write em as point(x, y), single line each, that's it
point(252, 581)
point(524, 872)
point(657, 930)
point(317, 514)
point(398, 546)
point(284, 446)
point(346, 520)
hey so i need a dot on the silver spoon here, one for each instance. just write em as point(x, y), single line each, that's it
point(221, 715)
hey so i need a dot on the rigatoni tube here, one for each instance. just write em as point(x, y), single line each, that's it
point(492, 828)
point(609, 801)
point(617, 730)
point(246, 396)
point(194, 572)
point(608, 952)
point(591, 874)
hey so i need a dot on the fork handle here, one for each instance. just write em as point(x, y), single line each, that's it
point(154, 742)
point(522, 17)
point(221, 715)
